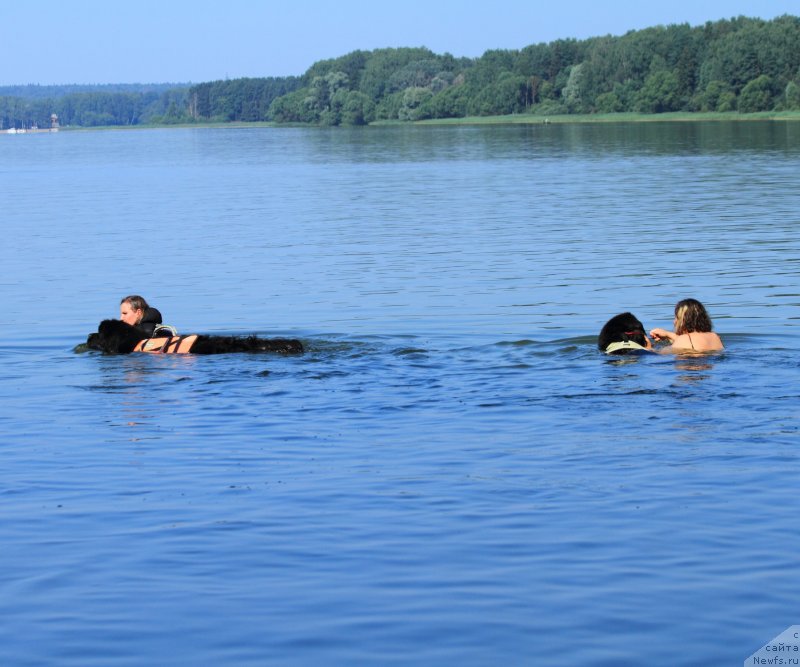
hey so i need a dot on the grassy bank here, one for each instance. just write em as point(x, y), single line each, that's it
point(515, 119)
point(674, 117)
point(169, 126)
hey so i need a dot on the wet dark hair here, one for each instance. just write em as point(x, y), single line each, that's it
point(621, 328)
point(691, 316)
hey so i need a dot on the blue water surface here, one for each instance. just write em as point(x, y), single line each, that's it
point(452, 473)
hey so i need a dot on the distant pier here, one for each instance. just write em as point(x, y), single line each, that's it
point(35, 129)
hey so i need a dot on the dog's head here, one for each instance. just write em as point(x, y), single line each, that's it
point(114, 337)
point(621, 328)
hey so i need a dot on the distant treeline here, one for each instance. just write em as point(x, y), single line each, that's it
point(95, 107)
point(742, 64)
point(38, 91)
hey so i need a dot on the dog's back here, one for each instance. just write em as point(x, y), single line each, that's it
point(227, 344)
point(117, 337)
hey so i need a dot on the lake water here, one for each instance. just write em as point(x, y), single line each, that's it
point(452, 474)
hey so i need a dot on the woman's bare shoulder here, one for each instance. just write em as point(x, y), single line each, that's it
point(705, 341)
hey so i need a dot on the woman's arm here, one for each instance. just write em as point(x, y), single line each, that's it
point(662, 334)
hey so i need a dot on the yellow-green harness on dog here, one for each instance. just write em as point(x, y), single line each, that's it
point(625, 346)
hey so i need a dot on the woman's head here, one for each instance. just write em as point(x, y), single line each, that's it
point(131, 309)
point(691, 317)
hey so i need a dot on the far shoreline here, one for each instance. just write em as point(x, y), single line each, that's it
point(628, 117)
point(512, 119)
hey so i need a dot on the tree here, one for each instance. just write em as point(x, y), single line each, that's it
point(490, 67)
point(726, 102)
point(449, 103)
point(417, 74)
point(792, 95)
point(756, 95)
point(293, 108)
point(608, 103)
point(351, 64)
point(660, 93)
point(357, 109)
point(573, 92)
point(714, 94)
point(507, 95)
point(380, 66)
point(413, 99)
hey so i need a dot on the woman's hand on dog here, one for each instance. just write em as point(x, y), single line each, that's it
point(662, 334)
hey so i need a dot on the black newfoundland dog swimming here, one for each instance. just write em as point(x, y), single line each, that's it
point(117, 337)
point(624, 334)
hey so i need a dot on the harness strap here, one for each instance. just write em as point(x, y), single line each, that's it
point(188, 343)
point(181, 344)
point(168, 345)
point(175, 344)
point(164, 330)
point(620, 345)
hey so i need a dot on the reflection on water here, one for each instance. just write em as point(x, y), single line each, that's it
point(452, 473)
point(694, 365)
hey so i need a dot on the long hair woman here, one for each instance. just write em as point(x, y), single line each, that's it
point(693, 330)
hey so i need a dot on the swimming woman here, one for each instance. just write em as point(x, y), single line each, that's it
point(134, 310)
point(693, 330)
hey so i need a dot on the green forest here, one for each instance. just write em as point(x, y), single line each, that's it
point(740, 65)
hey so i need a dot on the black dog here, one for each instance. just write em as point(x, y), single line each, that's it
point(117, 337)
point(623, 334)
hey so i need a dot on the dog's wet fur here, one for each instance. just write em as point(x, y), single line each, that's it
point(118, 337)
point(621, 328)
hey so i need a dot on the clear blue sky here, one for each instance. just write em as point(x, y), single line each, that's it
point(170, 41)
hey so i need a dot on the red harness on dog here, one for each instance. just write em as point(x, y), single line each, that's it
point(167, 345)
